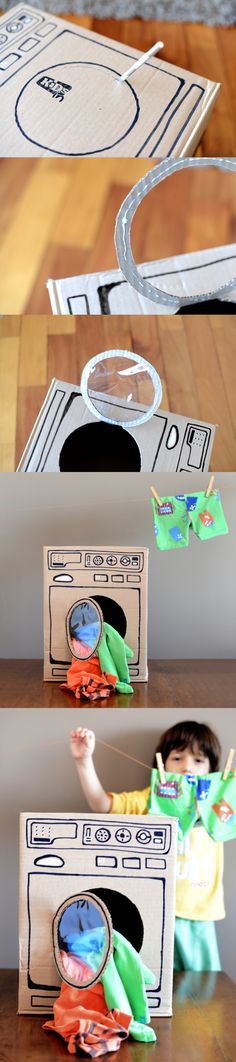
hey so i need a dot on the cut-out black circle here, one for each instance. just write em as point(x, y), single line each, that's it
point(212, 306)
point(112, 613)
point(100, 447)
point(124, 915)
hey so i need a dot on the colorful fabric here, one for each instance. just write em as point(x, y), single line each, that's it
point(124, 981)
point(195, 946)
point(113, 656)
point(199, 883)
point(82, 1019)
point(175, 515)
point(188, 798)
point(120, 996)
point(96, 678)
point(86, 681)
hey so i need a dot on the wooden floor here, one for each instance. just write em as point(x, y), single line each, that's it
point(195, 357)
point(57, 219)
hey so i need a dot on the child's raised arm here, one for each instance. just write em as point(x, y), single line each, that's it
point(82, 744)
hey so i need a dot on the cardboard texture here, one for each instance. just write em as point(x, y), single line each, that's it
point(108, 292)
point(63, 854)
point(115, 577)
point(167, 442)
point(61, 95)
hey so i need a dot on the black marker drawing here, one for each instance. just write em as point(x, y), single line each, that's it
point(169, 114)
point(57, 443)
point(116, 579)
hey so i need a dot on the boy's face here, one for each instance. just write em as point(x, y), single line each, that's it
point(188, 761)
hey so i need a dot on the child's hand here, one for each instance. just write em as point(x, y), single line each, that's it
point(82, 744)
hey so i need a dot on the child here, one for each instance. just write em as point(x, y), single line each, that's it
point(186, 748)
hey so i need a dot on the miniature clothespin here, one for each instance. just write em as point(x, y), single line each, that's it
point(210, 485)
point(160, 766)
point(155, 495)
point(228, 764)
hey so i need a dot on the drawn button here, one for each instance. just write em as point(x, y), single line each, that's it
point(123, 835)
point(9, 60)
point(102, 835)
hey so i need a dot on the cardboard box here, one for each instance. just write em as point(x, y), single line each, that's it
point(62, 855)
point(61, 95)
point(114, 576)
point(167, 442)
point(108, 292)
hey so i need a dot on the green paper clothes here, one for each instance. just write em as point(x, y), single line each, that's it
point(113, 654)
point(124, 981)
point(207, 516)
point(190, 798)
point(171, 523)
point(175, 515)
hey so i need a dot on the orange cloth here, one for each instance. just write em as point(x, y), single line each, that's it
point(85, 1011)
point(86, 679)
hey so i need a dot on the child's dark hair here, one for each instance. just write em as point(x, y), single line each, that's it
point(187, 734)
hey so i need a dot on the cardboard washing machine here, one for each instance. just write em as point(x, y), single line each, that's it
point(109, 292)
point(65, 426)
point(60, 94)
point(116, 579)
point(129, 862)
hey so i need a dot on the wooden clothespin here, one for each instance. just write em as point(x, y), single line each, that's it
point(228, 764)
point(160, 766)
point(156, 496)
point(210, 485)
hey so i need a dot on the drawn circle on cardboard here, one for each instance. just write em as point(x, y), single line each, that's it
point(124, 220)
point(76, 108)
point(82, 939)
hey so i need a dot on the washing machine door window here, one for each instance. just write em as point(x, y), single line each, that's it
point(82, 939)
point(84, 624)
point(120, 387)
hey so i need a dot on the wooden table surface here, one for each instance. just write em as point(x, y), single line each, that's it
point(202, 1029)
point(34, 349)
point(171, 684)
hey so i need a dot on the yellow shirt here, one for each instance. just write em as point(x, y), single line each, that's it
point(199, 884)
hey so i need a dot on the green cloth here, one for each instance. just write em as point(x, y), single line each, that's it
point(124, 981)
point(171, 527)
point(176, 798)
point(207, 516)
point(188, 797)
point(195, 945)
point(173, 518)
point(113, 654)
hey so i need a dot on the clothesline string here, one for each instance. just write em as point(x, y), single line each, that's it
point(121, 753)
